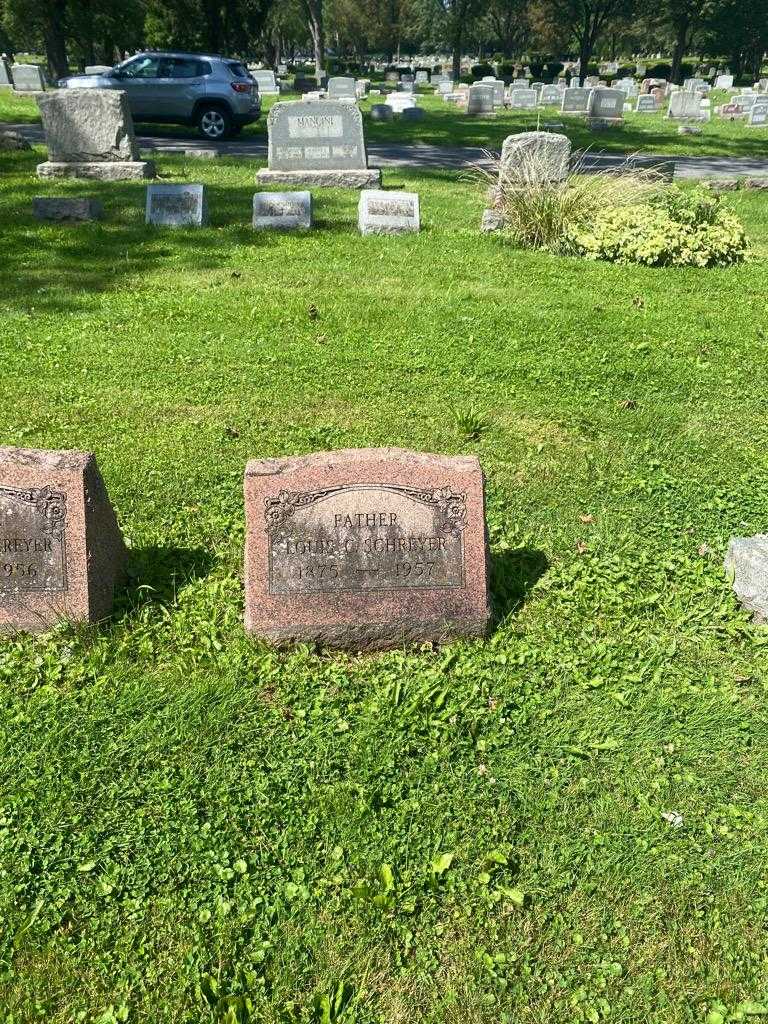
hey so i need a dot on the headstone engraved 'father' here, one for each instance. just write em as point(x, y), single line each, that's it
point(89, 134)
point(311, 144)
point(61, 552)
point(365, 549)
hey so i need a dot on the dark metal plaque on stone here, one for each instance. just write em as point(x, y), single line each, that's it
point(32, 540)
point(365, 537)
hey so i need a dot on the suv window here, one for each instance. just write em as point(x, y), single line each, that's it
point(142, 67)
point(183, 67)
point(238, 70)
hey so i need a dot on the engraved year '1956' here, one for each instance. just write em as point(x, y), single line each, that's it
point(363, 537)
point(32, 540)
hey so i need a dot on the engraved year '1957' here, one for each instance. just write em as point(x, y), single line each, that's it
point(363, 537)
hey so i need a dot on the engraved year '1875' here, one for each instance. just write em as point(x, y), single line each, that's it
point(32, 540)
point(365, 537)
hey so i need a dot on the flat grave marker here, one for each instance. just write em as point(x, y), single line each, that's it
point(176, 206)
point(387, 213)
point(282, 211)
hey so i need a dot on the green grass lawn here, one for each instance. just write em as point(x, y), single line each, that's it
point(196, 828)
point(445, 125)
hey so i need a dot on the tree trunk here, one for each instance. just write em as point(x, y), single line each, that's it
point(585, 55)
point(678, 51)
point(55, 43)
point(213, 26)
point(314, 12)
point(456, 63)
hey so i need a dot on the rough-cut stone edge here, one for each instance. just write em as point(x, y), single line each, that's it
point(492, 220)
point(104, 170)
point(729, 565)
point(361, 178)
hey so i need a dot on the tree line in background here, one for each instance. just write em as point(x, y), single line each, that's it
point(79, 32)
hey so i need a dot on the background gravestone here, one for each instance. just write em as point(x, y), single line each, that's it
point(282, 211)
point(523, 99)
point(387, 213)
point(61, 552)
point(481, 99)
point(606, 107)
point(6, 82)
point(89, 134)
point(317, 144)
point(550, 95)
point(575, 100)
point(28, 78)
point(365, 549)
point(338, 87)
point(685, 106)
point(267, 83)
point(176, 206)
point(530, 158)
point(646, 105)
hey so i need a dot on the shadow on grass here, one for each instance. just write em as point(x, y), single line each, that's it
point(513, 574)
point(156, 574)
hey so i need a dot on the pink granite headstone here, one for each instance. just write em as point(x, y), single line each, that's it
point(365, 549)
point(61, 551)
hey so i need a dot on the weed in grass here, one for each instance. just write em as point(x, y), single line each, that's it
point(471, 422)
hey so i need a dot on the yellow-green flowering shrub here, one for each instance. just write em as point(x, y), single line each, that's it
point(678, 228)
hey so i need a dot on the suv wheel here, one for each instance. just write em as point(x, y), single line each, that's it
point(214, 123)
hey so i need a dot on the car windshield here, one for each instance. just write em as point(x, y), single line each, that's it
point(238, 70)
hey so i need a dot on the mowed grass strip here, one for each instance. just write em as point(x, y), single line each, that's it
point(194, 827)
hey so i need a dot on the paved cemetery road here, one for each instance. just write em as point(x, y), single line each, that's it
point(421, 155)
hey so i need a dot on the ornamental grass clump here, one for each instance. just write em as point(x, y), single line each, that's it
point(625, 215)
point(682, 228)
point(544, 214)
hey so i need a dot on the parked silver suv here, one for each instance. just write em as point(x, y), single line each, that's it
point(214, 93)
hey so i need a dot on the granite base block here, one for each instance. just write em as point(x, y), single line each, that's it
point(365, 178)
point(102, 171)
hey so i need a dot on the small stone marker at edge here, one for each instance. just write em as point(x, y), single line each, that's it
point(746, 563)
point(365, 549)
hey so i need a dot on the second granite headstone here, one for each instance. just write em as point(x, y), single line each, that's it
point(365, 549)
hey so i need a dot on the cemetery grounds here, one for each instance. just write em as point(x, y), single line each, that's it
point(566, 822)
